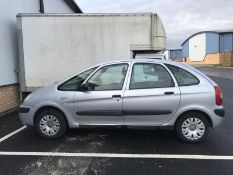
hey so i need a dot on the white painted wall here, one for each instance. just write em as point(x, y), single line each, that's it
point(167, 54)
point(8, 36)
point(197, 47)
point(8, 32)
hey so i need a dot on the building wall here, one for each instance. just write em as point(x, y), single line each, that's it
point(212, 43)
point(226, 40)
point(8, 32)
point(8, 36)
point(9, 96)
point(175, 54)
point(167, 54)
point(197, 47)
point(179, 59)
point(185, 49)
point(209, 48)
point(9, 43)
point(224, 59)
point(210, 59)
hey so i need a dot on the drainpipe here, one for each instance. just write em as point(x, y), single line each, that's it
point(74, 6)
point(41, 6)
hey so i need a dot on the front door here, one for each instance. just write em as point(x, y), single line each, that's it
point(101, 104)
point(151, 97)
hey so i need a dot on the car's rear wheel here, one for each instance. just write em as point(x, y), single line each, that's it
point(192, 127)
point(51, 124)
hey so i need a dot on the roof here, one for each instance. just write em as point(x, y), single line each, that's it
point(213, 31)
point(74, 6)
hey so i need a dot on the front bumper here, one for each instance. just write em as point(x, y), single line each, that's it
point(26, 115)
point(23, 110)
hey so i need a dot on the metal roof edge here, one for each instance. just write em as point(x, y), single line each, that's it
point(83, 14)
point(208, 31)
point(197, 33)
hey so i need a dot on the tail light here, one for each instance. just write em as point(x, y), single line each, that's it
point(218, 96)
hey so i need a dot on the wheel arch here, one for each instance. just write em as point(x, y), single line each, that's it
point(43, 108)
point(198, 111)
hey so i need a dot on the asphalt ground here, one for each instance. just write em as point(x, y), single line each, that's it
point(124, 142)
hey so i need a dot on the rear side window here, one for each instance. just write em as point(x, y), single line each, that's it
point(148, 75)
point(183, 77)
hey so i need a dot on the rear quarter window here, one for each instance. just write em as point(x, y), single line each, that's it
point(183, 77)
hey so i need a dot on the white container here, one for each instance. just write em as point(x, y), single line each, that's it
point(54, 46)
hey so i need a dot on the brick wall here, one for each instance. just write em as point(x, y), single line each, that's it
point(9, 97)
point(179, 59)
point(224, 59)
point(213, 59)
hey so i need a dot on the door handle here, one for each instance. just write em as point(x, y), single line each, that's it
point(116, 96)
point(168, 93)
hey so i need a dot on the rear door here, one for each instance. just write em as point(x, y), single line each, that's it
point(151, 97)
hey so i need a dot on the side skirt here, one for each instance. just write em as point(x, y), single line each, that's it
point(126, 127)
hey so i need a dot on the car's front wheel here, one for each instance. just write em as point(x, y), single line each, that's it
point(192, 127)
point(51, 124)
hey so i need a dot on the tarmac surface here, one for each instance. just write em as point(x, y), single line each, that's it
point(131, 147)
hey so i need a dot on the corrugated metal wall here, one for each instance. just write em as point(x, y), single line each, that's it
point(212, 43)
point(175, 54)
point(185, 49)
point(226, 42)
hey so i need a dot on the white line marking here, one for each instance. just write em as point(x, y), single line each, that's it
point(13, 133)
point(109, 155)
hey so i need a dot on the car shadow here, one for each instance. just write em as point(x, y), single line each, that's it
point(96, 140)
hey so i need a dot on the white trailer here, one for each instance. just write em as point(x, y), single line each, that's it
point(54, 46)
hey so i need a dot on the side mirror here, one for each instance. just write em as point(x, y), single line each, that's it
point(83, 88)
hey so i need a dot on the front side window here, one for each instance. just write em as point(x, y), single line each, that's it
point(183, 77)
point(108, 78)
point(74, 83)
point(147, 75)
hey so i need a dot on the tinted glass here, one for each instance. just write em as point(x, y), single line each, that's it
point(74, 83)
point(108, 78)
point(146, 75)
point(183, 77)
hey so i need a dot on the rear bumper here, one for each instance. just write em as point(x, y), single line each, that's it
point(217, 116)
point(220, 112)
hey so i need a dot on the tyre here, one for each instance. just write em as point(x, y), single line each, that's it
point(51, 124)
point(192, 127)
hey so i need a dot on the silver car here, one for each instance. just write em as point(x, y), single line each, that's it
point(132, 93)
